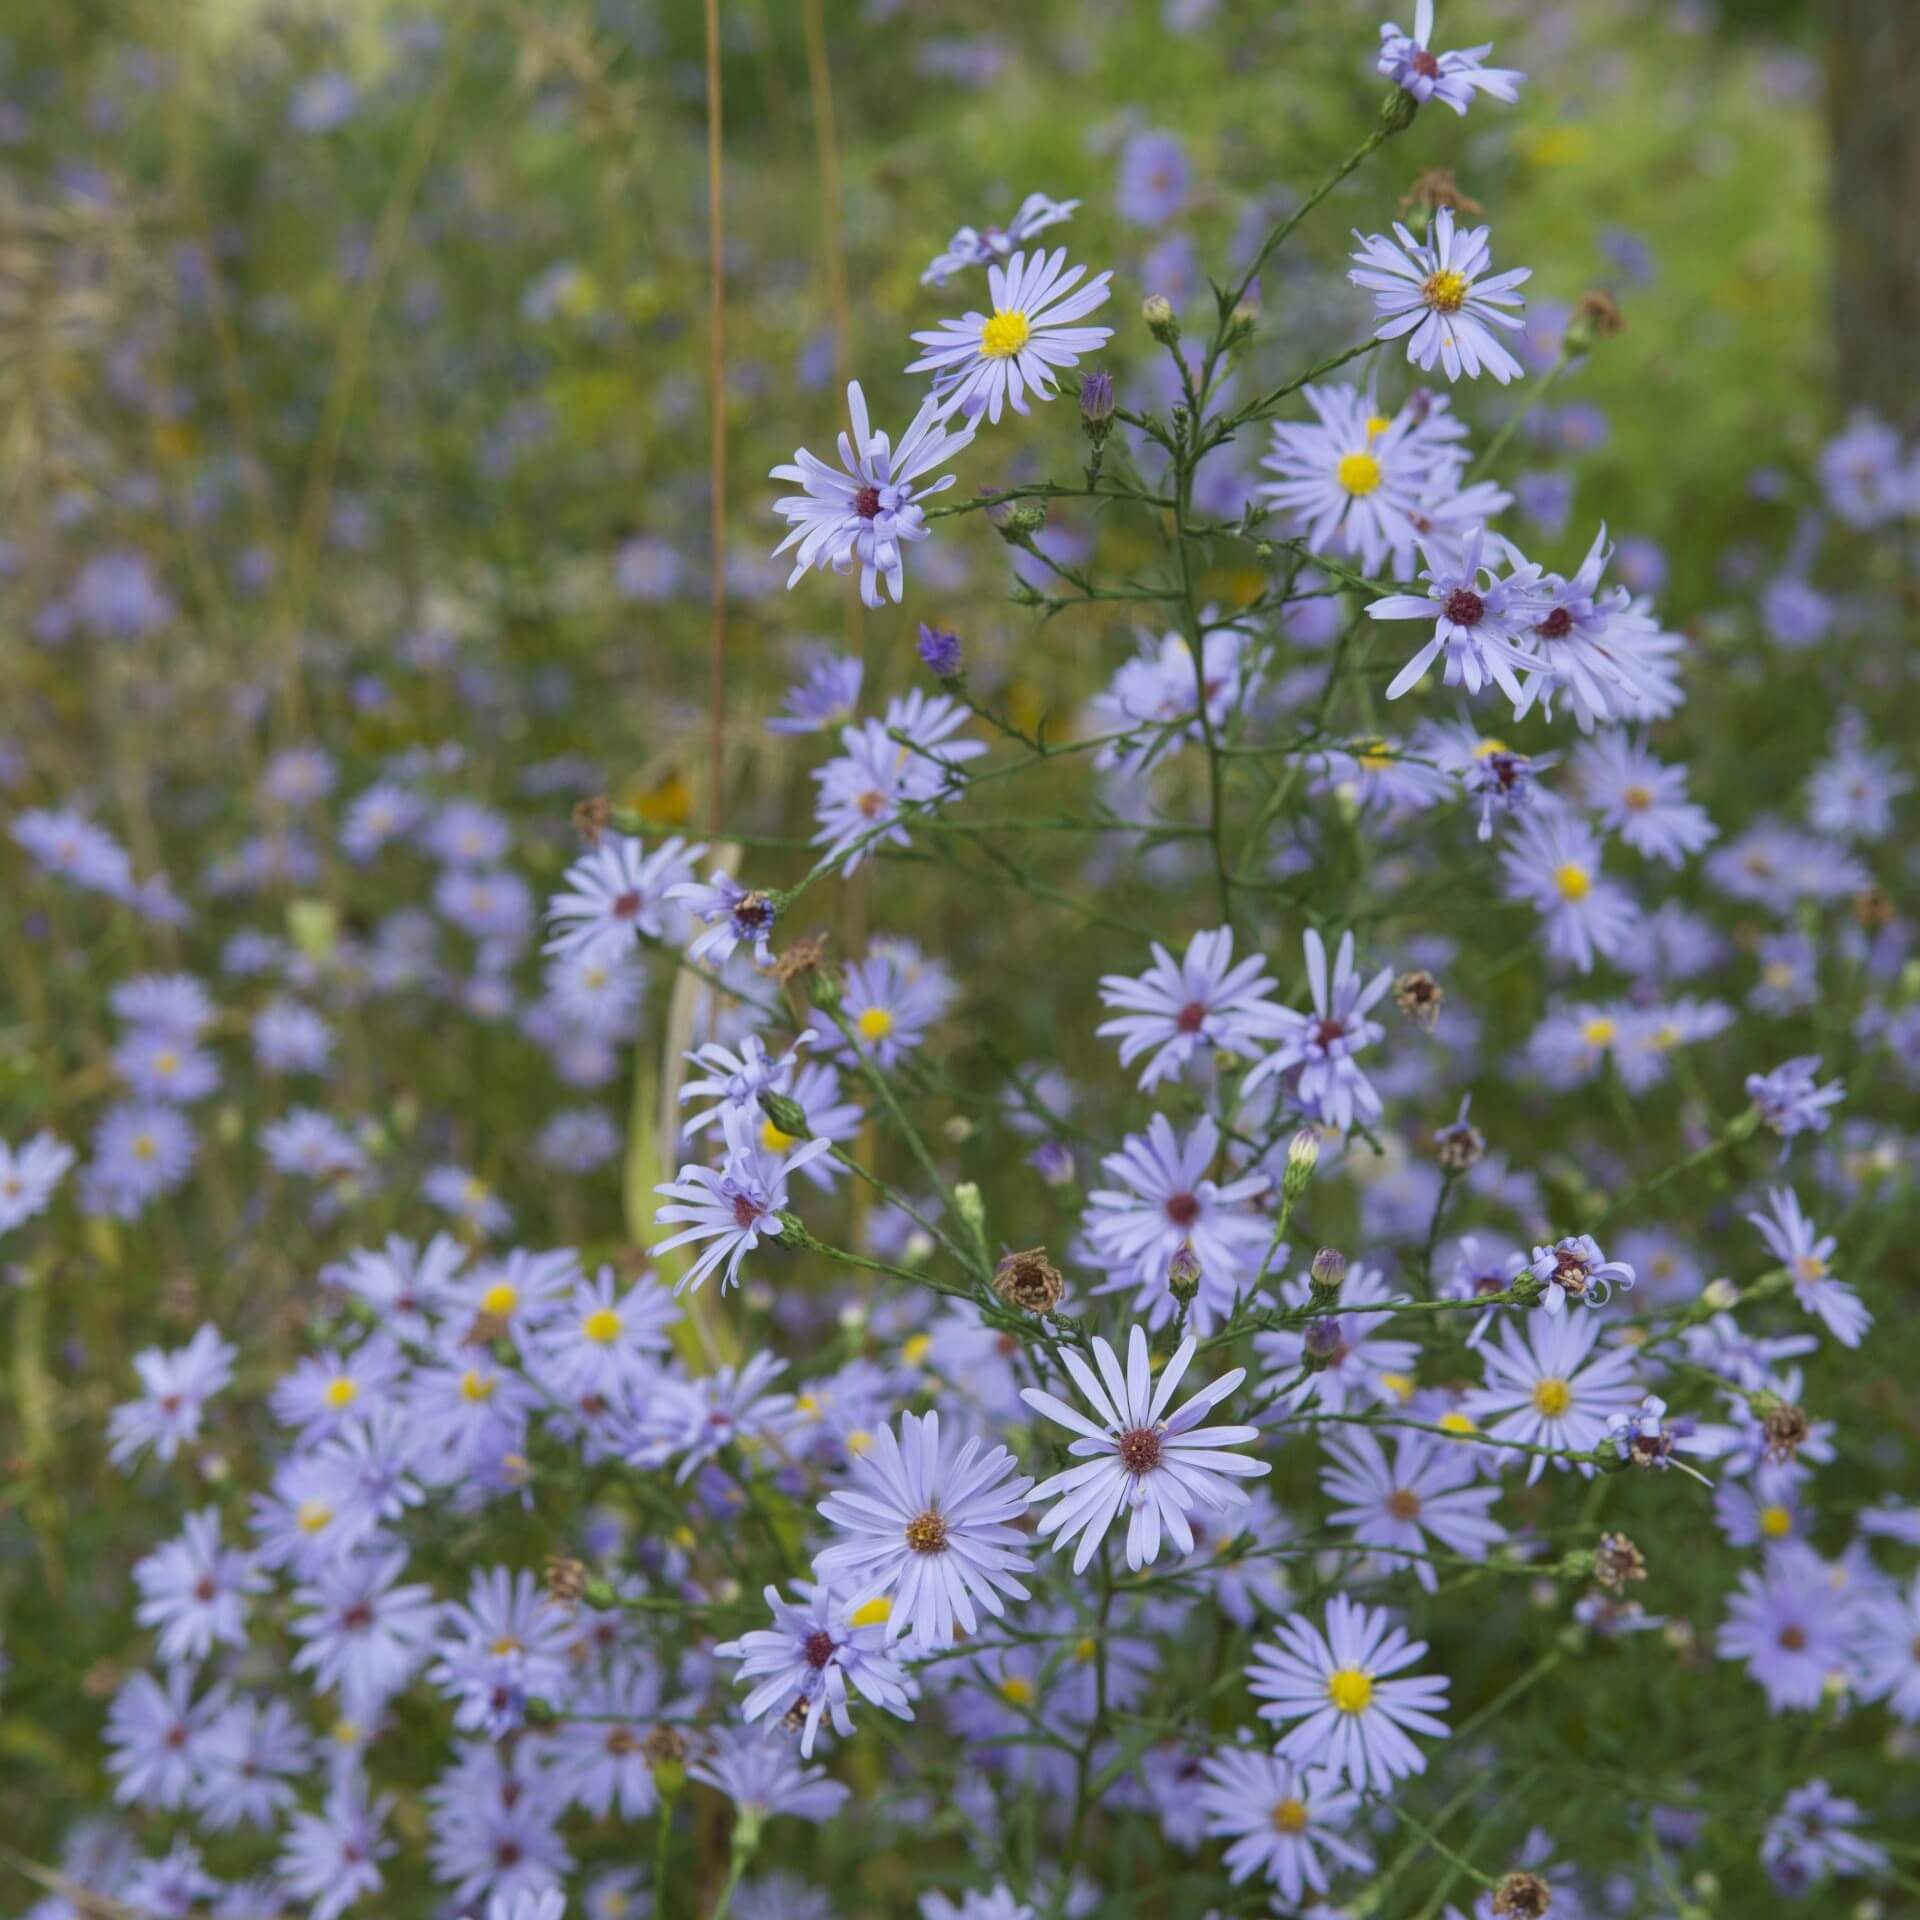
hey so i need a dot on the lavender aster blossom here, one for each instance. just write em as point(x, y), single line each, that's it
point(732, 1208)
point(1553, 863)
point(824, 696)
point(930, 1527)
point(1810, 1840)
point(1316, 1051)
point(732, 917)
point(29, 1176)
point(809, 1658)
point(1163, 1200)
point(1791, 1101)
point(177, 1386)
point(1432, 1486)
point(1888, 1650)
point(1431, 293)
point(1137, 1455)
point(1785, 1625)
point(1479, 617)
point(331, 1860)
point(1791, 1239)
point(862, 516)
point(1576, 1269)
point(618, 891)
point(1641, 800)
point(982, 362)
point(195, 1591)
point(1546, 1389)
point(1280, 1820)
point(764, 1780)
point(1176, 1008)
point(1453, 79)
point(1345, 1689)
point(155, 1734)
point(982, 246)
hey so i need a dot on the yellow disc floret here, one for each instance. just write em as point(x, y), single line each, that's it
point(1445, 291)
point(1358, 473)
point(1573, 880)
point(1004, 335)
point(875, 1024)
point(602, 1326)
point(1552, 1398)
point(1350, 1690)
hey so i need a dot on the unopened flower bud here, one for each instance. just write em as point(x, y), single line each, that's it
point(1096, 399)
point(1240, 324)
point(969, 1206)
point(665, 1752)
point(823, 987)
point(1183, 1273)
point(1029, 1281)
point(1323, 1342)
point(1721, 1295)
point(1022, 523)
point(939, 653)
point(1328, 1273)
point(786, 1113)
point(600, 1594)
point(1397, 111)
point(1157, 311)
point(538, 1712)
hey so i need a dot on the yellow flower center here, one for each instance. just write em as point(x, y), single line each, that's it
point(1775, 1522)
point(1084, 1649)
point(342, 1392)
point(773, 1139)
point(1017, 1690)
point(602, 1326)
point(1573, 880)
point(1350, 1690)
point(1377, 424)
point(144, 1147)
point(167, 1062)
point(1809, 1266)
point(1005, 334)
point(876, 1613)
point(1552, 1398)
point(1486, 749)
point(1637, 799)
point(875, 1024)
point(1290, 1816)
point(500, 1299)
point(474, 1192)
point(1445, 291)
point(1400, 1385)
point(346, 1733)
point(859, 1440)
point(1374, 755)
point(1358, 473)
point(507, 1644)
point(310, 1516)
point(1599, 1031)
point(476, 1386)
point(915, 1351)
point(1457, 1422)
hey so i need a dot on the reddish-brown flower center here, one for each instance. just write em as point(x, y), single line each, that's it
point(1183, 1209)
point(819, 1648)
point(1191, 1017)
point(1465, 608)
point(1424, 64)
point(1556, 626)
point(627, 906)
point(866, 503)
point(1139, 1449)
point(927, 1532)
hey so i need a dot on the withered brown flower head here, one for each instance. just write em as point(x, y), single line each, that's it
point(1597, 311)
point(566, 1579)
point(591, 818)
point(1618, 1561)
point(1418, 995)
point(1436, 187)
point(1029, 1281)
point(1786, 1430)
point(801, 957)
point(1522, 1896)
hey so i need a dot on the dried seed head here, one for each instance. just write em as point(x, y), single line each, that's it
point(1873, 909)
point(591, 818)
point(1786, 1429)
point(1435, 188)
point(800, 957)
point(1597, 312)
point(927, 1532)
point(566, 1578)
point(1618, 1561)
point(1029, 1281)
point(1418, 995)
point(1459, 1148)
point(665, 1747)
point(1522, 1896)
